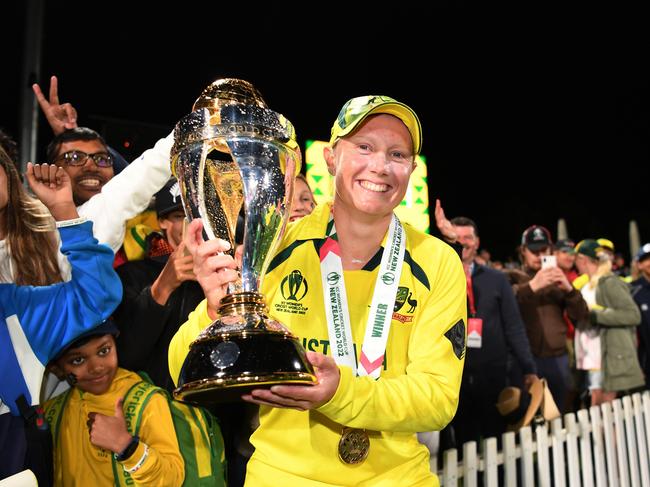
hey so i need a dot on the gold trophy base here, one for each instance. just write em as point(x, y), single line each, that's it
point(242, 350)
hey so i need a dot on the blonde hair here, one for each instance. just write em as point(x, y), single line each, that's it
point(303, 178)
point(604, 267)
point(29, 230)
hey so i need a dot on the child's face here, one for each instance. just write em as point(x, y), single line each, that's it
point(93, 364)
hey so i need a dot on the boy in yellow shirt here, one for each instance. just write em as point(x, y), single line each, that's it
point(92, 429)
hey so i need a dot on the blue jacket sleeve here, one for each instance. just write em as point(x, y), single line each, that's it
point(52, 316)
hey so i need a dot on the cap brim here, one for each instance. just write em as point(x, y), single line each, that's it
point(397, 109)
point(536, 246)
point(107, 327)
point(167, 211)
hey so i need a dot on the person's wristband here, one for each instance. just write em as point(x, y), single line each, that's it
point(69, 223)
point(129, 450)
point(138, 465)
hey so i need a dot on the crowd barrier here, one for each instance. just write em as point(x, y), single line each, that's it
point(603, 446)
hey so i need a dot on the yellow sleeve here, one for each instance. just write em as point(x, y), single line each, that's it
point(580, 281)
point(196, 322)
point(164, 464)
point(426, 397)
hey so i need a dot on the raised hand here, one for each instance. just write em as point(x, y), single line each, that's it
point(61, 117)
point(302, 398)
point(213, 269)
point(109, 432)
point(51, 184)
point(443, 224)
point(179, 268)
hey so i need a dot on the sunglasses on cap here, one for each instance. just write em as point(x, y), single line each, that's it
point(79, 158)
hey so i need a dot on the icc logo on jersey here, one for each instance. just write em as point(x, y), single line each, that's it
point(294, 286)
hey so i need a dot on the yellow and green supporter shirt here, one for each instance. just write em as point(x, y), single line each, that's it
point(420, 379)
point(77, 462)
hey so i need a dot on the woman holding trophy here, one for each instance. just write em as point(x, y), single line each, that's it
point(380, 305)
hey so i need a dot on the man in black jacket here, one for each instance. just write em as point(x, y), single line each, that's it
point(159, 293)
point(495, 332)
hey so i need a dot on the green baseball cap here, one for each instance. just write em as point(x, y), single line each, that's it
point(358, 109)
point(589, 247)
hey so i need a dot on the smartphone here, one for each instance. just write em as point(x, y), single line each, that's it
point(548, 261)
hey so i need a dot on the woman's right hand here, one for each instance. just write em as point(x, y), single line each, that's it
point(214, 270)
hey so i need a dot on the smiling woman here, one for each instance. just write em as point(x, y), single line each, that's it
point(357, 266)
point(372, 168)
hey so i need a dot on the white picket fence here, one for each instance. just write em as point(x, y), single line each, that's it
point(604, 446)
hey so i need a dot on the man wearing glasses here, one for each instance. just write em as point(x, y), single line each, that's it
point(107, 200)
point(84, 155)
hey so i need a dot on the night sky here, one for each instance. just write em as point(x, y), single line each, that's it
point(523, 122)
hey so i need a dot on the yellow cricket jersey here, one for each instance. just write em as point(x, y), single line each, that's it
point(419, 383)
point(77, 462)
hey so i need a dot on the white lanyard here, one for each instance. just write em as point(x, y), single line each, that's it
point(381, 308)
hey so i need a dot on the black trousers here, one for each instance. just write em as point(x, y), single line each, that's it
point(23, 447)
point(477, 416)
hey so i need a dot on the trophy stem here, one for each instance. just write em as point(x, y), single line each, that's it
point(242, 303)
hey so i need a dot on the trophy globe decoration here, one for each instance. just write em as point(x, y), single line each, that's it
point(233, 154)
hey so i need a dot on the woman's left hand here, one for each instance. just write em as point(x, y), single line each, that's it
point(302, 398)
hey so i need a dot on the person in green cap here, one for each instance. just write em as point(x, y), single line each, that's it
point(395, 367)
point(607, 347)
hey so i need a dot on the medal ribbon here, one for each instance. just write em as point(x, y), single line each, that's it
point(381, 308)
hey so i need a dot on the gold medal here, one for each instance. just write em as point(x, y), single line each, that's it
point(354, 446)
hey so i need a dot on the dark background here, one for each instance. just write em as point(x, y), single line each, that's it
point(525, 120)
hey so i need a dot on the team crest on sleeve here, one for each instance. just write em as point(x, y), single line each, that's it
point(456, 335)
point(293, 288)
point(405, 305)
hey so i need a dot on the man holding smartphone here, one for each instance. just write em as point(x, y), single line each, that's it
point(544, 294)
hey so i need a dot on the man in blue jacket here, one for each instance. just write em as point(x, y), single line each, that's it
point(36, 322)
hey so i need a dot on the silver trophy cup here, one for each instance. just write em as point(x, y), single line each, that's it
point(232, 152)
